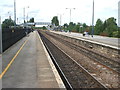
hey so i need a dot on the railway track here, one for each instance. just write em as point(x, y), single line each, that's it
point(77, 76)
point(102, 60)
point(103, 73)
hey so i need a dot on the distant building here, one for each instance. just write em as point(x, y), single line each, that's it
point(119, 13)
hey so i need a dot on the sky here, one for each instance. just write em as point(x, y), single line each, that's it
point(45, 10)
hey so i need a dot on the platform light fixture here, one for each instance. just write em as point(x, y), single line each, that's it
point(70, 12)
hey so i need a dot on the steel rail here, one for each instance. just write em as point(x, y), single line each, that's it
point(83, 69)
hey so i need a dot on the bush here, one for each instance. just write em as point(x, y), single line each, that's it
point(103, 34)
point(44, 28)
point(116, 34)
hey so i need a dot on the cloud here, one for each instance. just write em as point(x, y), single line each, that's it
point(46, 9)
point(6, 6)
point(34, 11)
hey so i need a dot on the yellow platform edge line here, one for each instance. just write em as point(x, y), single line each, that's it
point(8, 66)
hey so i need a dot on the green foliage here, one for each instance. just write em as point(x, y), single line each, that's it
point(65, 25)
point(44, 28)
point(108, 28)
point(77, 28)
point(84, 25)
point(111, 26)
point(31, 20)
point(55, 21)
point(116, 34)
point(98, 27)
point(71, 26)
point(7, 23)
point(84, 28)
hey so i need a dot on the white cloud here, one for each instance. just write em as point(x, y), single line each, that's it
point(44, 10)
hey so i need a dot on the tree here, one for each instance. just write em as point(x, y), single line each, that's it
point(65, 25)
point(116, 34)
point(98, 27)
point(71, 26)
point(85, 25)
point(7, 23)
point(76, 28)
point(44, 28)
point(55, 21)
point(31, 20)
point(110, 26)
point(84, 28)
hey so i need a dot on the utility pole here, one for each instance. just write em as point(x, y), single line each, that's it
point(70, 12)
point(93, 20)
point(14, 12)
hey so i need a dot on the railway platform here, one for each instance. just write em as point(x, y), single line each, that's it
point(27, 64)
point(106, 41)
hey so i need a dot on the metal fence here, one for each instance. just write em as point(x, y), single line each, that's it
point(11, 35)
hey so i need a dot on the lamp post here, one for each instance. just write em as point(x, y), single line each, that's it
point(27, 14)
point(61, 18)
point(24, 13)
point(93, 21)
point(9, 15)
point(14, 12)
point(70, 12)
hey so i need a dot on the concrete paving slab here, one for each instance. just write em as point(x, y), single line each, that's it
point(31, 68)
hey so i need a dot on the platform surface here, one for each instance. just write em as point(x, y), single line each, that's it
point(108, 41)
point(31, 66)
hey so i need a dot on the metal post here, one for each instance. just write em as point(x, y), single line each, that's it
point(60, 18)
point(24, 13)
point(93, 20)
point(70, 12)
point(119, 14)
point(14, 12)
point(27, 17)
point(27, 14)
